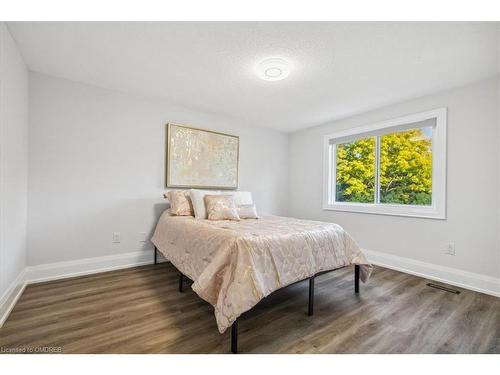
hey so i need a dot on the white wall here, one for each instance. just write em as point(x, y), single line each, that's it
point(13, 161)
point(97, 165)
point(472, 193)
point(498, 179)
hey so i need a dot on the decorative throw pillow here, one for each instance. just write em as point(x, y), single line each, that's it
point(221, 207)
point(180, 202)
point(247, 211)
point(242, 197)
point(198, 200)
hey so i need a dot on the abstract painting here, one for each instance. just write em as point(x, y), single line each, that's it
point(198, 158)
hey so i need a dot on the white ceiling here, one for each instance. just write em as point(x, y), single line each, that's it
point(339, 68)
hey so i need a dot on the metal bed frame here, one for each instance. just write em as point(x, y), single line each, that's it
point(310, 311)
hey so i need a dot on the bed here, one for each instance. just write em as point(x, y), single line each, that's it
point(235, 264)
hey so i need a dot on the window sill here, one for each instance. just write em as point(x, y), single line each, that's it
point(388, 209)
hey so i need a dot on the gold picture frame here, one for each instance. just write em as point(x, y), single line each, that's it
point(201, 159)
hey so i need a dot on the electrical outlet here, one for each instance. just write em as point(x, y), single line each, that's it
point(142, 237)
point(450, 249)
point(116, 237)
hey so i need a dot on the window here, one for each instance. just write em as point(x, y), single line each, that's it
point(355, 177)
point(397, 167)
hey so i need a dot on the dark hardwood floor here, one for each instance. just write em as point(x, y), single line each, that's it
point(139, 310)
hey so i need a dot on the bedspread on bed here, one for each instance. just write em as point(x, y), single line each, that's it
point(234, 264)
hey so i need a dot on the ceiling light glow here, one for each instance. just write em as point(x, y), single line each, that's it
point(273, 69)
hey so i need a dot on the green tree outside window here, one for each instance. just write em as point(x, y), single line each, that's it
point(405, 169)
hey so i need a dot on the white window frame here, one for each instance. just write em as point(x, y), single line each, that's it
point(438, 208)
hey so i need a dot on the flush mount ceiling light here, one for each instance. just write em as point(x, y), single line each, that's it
point(273, 69)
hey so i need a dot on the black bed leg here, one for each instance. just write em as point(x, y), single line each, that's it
point(356, 279)
point(311, 296)
point(181, 279)
point(156, 258)
point(234, 337)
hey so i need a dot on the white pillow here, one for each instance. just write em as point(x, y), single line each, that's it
point(242, 197)
point(247, 211)
point(197, 198)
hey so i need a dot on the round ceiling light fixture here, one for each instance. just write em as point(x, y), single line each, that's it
point(273, 69)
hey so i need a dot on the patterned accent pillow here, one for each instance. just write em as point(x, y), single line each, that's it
point(180, 202)
point(247, 211)
point(221, 207)
point(198, 200)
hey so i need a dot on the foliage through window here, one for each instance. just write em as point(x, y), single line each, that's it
point(406, 167)
point(394, 168)
point(356, 171)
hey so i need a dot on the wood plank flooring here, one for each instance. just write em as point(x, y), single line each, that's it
point(139, 310)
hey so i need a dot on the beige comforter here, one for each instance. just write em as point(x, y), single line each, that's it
point(236, 264)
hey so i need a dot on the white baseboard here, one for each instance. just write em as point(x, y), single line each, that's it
point(62, 270)
point(453, 276)
point(11, 295)
point(80, 267)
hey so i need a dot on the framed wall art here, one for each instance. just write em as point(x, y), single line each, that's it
point(198, 158)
